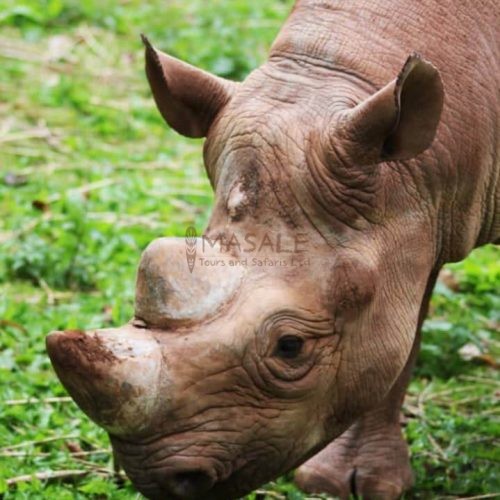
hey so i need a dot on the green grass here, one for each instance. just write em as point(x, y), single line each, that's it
point(89, 174)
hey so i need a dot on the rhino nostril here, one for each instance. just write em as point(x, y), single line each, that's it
point(190, 484)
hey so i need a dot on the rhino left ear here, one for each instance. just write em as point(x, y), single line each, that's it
point(188, 98)
point(399, 121)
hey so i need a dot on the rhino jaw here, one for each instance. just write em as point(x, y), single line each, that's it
point(113, 375)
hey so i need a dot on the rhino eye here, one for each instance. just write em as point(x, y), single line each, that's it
point(289, 347)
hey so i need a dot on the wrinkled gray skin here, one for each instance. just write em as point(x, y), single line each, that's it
point(384, 164)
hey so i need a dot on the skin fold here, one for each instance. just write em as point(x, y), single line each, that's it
point(368, 142)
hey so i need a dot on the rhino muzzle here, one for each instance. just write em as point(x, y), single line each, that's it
point(121, 377)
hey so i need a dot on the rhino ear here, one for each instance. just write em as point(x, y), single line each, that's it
point(188, 98)
point(399, 121)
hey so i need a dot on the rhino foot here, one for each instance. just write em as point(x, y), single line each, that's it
point(369, 463)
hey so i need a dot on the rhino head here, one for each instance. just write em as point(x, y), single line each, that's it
point(230, 375)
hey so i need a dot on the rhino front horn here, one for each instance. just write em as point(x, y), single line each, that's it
point(113, 375)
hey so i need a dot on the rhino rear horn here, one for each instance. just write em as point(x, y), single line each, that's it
point(188, 98)
point(399, 121)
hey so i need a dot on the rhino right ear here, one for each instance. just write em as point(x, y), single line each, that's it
point(188, 98)
point(399, 121)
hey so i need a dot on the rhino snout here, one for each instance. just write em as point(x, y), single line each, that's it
point(113, 375)
point(183, 484)
point(189, 484)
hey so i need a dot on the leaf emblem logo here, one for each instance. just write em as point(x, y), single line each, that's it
point(191, 240)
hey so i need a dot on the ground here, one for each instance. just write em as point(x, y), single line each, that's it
point(89, 174)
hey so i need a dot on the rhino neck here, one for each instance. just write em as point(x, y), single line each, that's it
point(321, 34)
point(366, 43)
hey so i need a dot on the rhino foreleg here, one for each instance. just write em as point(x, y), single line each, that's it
point(371, 459)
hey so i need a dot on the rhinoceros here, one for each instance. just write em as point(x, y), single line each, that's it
point(368, 143)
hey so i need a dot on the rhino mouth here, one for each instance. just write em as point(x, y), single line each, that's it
point(193, 473)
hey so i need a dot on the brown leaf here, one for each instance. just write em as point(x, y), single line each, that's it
point(12, 324)
point(488, 360)
point(73, 447)
point(40, 205)
point(449, 279)
point(108, 313)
